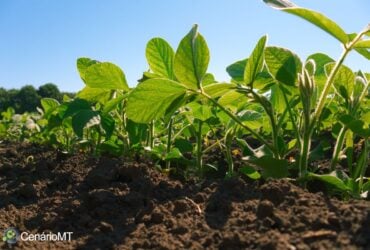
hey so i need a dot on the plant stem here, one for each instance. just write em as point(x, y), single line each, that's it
point(308, 130)
point(150, 142)
point(271, 115)
point(199, 148)
point(169, 142)
point(338, 147)
point(366, 159)
point(229, 158)
point(296, 131)
point(305, 149)
point(217, 143)
point(330, 80)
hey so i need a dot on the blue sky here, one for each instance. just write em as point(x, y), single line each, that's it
point(40, 40)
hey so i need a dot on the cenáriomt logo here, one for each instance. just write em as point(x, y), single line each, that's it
point(11, 235)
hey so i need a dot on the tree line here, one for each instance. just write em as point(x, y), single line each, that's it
point(27, 98)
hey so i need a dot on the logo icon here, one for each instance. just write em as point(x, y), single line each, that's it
point(11, 235)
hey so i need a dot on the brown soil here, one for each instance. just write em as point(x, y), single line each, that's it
point(118, 204)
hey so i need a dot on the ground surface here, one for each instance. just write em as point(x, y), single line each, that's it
point(116, 204)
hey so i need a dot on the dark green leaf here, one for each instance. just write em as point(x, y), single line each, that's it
point(271, 167)
point(236, 70)
point(357, 126)
point(108, 124)
point(183, 145)
point(75, 106)
point(84, 119)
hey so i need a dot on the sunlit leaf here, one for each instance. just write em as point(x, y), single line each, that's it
point(151, 99)
point(191, 59)
point(283, 64)
point(160, 57)
point(255, 62)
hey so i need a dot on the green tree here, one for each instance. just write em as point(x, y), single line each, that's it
point(27, 98)
point(4, 99)
point(49, 90)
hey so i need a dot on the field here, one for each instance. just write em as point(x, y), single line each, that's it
point(118, 203)
point(277, 158)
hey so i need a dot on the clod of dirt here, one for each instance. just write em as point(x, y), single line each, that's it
point(180, 206)
point(27, 191)
point(265, 209)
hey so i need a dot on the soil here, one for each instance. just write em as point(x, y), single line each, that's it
point(115, 203)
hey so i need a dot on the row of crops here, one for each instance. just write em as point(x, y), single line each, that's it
point(279, 113)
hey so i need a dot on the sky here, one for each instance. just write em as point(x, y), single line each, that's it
point(40, 40)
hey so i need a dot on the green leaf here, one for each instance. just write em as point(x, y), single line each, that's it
point(271, 167)
point(191, 59)
point(357, 126)
point(160, 57)
point(183, 145)
point(105, 76)
point(49, 105)
point(250, 172)
point(74, 107)
point(232, 98)
point(283, 64)
point(82, 65)
point(320, 61)
point(218, 89)
point(137, 132)
point(362, 44)
point(236, 70)
point(251, 118)
point(174, 154)
point(313, 17)
point(362, 51)
point(84, 119)
point(366, 186)
point(255, 62)
point(263, 81)
point(208, 79)
point(108, 124)
point(200, 111)
point(95, 94)
point(151, 99)
point(112, 104)
point(277, 99)
point(343, 81)
point(112, 148)
point(330, 179)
